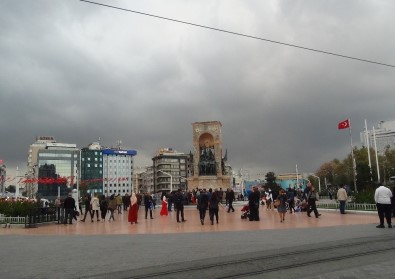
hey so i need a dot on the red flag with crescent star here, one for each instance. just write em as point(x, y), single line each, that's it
point(344, 124)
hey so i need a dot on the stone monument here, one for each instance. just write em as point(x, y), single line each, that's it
point(208, 164)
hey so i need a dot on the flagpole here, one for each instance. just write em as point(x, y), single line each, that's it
point(352, 158)
point(367, 141)
point(377, 159)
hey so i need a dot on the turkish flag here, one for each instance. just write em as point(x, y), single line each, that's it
point(344, 124)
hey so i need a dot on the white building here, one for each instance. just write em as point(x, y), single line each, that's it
point(385, 136)
point(118, 171)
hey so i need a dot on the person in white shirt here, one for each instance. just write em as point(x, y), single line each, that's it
point(342, 198)
point(382, 197)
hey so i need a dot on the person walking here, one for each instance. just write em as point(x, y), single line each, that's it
point(103, 207)
point(213, 206)
point(179, 205)
point(230, 197)
point(282, 207)
point(119, 203)
point(291, 199)
point(126, 202)
point(170, 201)
point(164, 211)
point(133, 210)
point(202, 205)
point(148, 204)
point(312, 197)
point(269, 199)
point(112, 205)
point(253, 203)
point(95, 205)
point(342, 198)
point(88, 207)
point(80, 201)
point(382, 197)
point(69, 207)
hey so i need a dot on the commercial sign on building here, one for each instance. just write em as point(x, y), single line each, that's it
point(119, 152)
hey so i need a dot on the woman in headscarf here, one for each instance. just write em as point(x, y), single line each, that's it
point(164, 211)
point(133, 210)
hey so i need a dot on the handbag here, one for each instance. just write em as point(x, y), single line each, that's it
point(276, 203)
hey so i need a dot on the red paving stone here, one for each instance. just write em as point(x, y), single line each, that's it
point(167, 224)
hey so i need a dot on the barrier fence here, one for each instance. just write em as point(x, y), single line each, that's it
point(349, 206)
point(42, 215)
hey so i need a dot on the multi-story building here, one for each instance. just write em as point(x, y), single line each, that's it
point(148, 179)
point(91, 169)
point(171, 170)
point(118, 171)
point(56, 169)
point(138, 182)
point(32, 171)
point(145, 180)
point(385, 136)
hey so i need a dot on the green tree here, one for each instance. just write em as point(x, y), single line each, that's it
point(11, 189)
point(270, 179)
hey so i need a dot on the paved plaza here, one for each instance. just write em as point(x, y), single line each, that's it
point(164, 247)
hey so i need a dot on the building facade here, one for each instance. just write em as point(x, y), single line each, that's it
point(57, 165)
point(91, 169)
point(171, 170)
point(118, 171)
point(385, 136)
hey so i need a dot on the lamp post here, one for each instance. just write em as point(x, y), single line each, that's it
point(184, 179)
point(171, 179)
point(319, 183)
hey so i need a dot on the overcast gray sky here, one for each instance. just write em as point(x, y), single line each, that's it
point(78, 71)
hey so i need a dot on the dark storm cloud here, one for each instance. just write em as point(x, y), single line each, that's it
point(79, 72)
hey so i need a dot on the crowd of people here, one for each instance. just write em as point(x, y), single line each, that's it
point(100, 208)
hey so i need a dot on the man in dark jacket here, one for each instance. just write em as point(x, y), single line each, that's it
point(179, 205)
point(202, 205)
point(69, 207)
point(230, 197)
point(87, 202)
point(213, 206)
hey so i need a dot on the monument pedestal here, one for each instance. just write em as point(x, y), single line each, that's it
point(208, 182)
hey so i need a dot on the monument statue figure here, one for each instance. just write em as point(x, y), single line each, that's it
point(207, 164)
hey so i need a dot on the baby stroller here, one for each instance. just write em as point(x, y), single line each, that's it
point(245, 212)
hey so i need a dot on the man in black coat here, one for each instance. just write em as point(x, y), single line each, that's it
point(253, 203)
point(69, 207)
point(230, 197)
point(87, 202)
point(179, 205)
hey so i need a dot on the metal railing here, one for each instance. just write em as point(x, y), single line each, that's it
point(349, 206)
point(42, 215)
point(12, 220)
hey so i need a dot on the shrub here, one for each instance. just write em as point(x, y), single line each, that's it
point(365, 196)
point(12, 208)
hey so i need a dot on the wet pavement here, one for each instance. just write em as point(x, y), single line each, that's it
point(122, 250)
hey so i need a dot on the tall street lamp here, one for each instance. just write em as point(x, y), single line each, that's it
point(319, 183)
point(171, 179)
